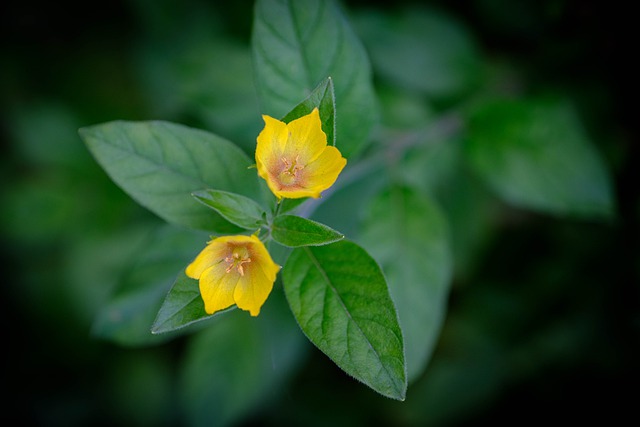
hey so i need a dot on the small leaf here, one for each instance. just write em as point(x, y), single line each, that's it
point(295, 231)
point(239, 210)
point(535, 154)
point(323, 98)
point(182, 306)
point(406, 233)
point(159, 164)
point(296, 46)
point(340, 299)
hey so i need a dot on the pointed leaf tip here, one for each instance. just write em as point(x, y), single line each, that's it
point(340, 299)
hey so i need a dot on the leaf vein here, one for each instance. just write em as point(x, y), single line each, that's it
point(330, 285)
point(160, 166)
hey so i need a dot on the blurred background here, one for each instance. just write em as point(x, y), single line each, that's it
point(543, 317)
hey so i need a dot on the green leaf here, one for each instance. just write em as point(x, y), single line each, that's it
point(535, 154)
point(296, 46)
point(239, 210)
point(98, 263)
point(182, 306)
point(443, 158)
point(324, 99)
point(295, 231)
point(160, 164)
point(181, 76)
point(340, 299)
point(406, 233)
point(421, 49)
point(133, 306)
point(473, 216)
point(232, 368)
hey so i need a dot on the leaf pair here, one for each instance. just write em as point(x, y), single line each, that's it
point(288, 230)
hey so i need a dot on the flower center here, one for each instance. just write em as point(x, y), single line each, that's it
point(239, 256)
point(289, 171)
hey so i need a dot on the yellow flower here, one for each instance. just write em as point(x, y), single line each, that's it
point(294, 158)
point(234, 270)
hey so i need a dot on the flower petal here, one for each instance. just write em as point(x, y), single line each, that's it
point(261, 259)
point(211, 255)
point(256, 285)
point(271, 141)
point(252, 290)
point(269, 149)
point(306, 137)
point(323, 172)
point(297, 193)
point(217, 288)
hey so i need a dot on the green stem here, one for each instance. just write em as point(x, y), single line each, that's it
point(276, 211)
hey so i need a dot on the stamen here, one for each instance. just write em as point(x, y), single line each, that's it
point(287, 166)
point(236, 259)
point(291, 168)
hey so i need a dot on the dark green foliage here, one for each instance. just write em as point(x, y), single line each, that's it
point(491, 185)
